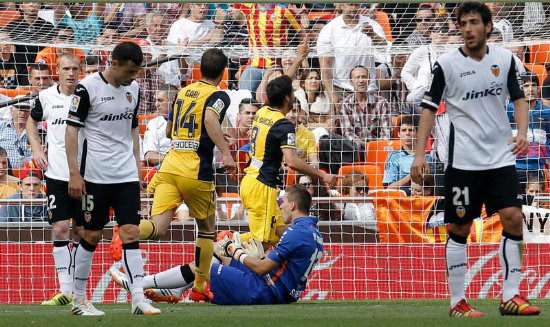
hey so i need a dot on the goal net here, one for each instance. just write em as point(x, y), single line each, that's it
point(359, 72)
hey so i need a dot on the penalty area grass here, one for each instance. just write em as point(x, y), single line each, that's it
point(395, 313)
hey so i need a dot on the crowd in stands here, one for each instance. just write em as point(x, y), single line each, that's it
point(359, 72)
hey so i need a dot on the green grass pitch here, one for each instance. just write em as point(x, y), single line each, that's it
point(398, 313)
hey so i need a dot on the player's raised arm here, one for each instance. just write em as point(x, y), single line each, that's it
point(293, 161)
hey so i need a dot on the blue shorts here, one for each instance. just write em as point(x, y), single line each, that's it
point(237, 285)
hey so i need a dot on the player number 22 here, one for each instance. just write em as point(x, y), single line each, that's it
point(461, 193)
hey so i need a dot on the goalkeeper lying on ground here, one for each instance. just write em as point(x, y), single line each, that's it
point(248, 278)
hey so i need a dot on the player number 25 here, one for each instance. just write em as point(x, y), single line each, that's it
point(461, 193)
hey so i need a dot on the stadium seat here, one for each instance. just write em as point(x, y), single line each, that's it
point(7, 16)
point(230, 204)
point(373, 173)
point(291, 177)
point(196, 75)
point(378, 150)
point(384, 21)
point(540, 53)
point(540, 70)
point(387, 193)
point(12, 93)
point(142, 122)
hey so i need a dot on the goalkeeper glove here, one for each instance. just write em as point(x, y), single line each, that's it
point(232, 250)
point(254, 248)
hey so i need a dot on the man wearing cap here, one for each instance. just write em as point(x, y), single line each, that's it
point(13, 136)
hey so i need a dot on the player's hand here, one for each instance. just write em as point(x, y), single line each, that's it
point(330, 179)
point(77, 186)
point(419, 167)
point(230, 248)
point(229, 164)
point(40, 159)
point(254, 248)
point(521, 146)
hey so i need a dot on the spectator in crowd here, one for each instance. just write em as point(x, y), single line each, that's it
point(356, 185)
point(195, 30)
point(364, 116)
point(533, 188)
point(172, 11)
point(315, 102)
point(30, 189)
point(390, 84)
point(149, 80)
point(502, 27)
point(344, 43)
point(417, 70)
point(546, 91)
point(155, 142)
point(314, 28)
point(13, 68)
point(86, 20)
point(30, 29)
point(264, 37)
point(427, 189)
point(305, 139)
point(247, 111)
point(324, 211)
point(126, 17)
point(48, 56)
point(519, 54)
point(9, 185)
point(39, 78)
point(174, 72)
point(289, 66)
point(13, 133)
point(538, 132)
point(91, 65)
point(423, 20)
point(108, 37)
point(398, 163)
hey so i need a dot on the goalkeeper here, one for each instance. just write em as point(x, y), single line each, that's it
point(249, 278)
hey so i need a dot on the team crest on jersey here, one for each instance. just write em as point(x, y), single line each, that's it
point(291, 139)
point(50, 215)
point(74, 103)
point(129, 97)
point(495, 69)
point(460, 211)
point(218, 105)
point(87, 216)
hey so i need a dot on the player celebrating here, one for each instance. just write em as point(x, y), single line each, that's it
point(106, 105)
point(272, 138)
point(475, 81)
point(279, 278)
point(186, 173)
point(52, 105)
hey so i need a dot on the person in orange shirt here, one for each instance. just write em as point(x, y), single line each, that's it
point(9, 185)
point(48, 56)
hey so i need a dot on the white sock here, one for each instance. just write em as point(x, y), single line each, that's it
point(83, 266)
point(511, 251)
point(73, 252)
point(133, 265)
point(62, 258)
point(455, 253)
point(171, 278)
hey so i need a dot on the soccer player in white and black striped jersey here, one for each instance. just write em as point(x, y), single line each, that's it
point(52, 105)
point(105, 109)
point(475, 81)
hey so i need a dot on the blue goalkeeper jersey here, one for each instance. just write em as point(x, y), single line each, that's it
point(298, 251)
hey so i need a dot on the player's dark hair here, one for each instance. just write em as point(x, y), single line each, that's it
point(529, 77)
point(299, 194)
point(128, 51)
point(249, 101)
point(37, 66)
point(278, 89)
point(213, 63)
point(476, 7)
point(409, 120)
point(92, 61)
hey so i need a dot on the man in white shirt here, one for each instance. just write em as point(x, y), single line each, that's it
point(155, 142)
point(344, 43)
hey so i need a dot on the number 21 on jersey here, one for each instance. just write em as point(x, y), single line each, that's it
point(187, 122)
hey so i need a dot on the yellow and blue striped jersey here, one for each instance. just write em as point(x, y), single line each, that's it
point(271, 132)
point(191, 149)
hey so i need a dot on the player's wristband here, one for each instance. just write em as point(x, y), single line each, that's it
point(242, 257)
point(238, 254)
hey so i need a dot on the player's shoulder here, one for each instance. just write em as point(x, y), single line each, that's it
point(91, 82)
point(450, 56)
point(52, 90)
